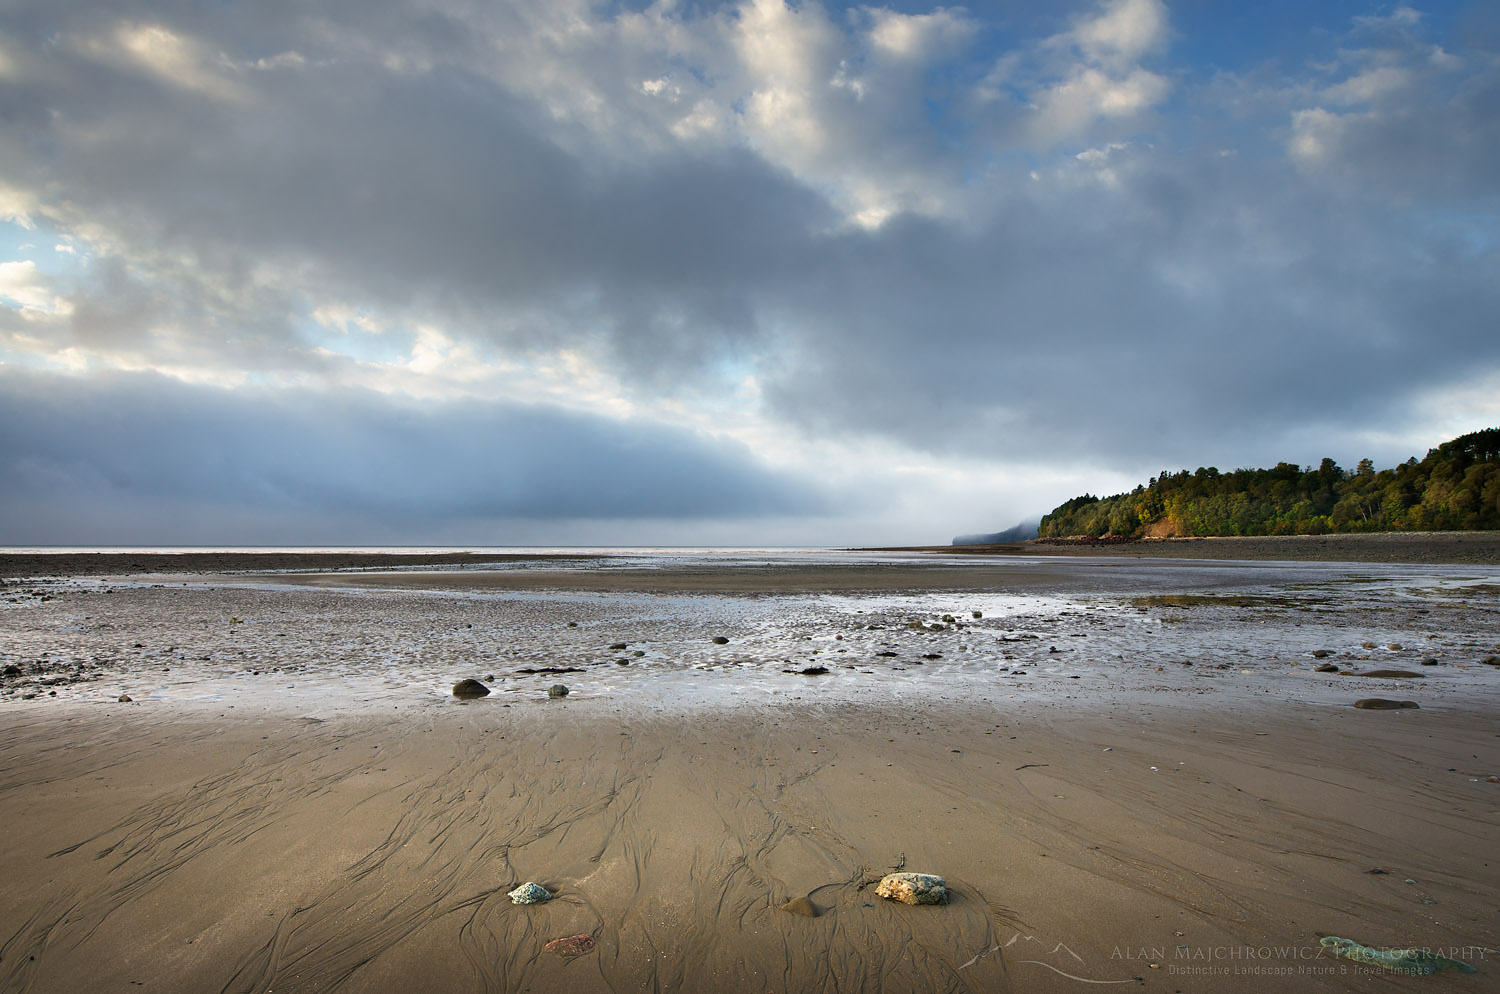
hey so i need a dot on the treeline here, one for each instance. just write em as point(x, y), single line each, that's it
point(1455, 488)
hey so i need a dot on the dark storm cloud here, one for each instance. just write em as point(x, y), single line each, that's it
point(253, 463)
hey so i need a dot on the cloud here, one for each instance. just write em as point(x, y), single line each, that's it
point(360, 464)
point(919, 236)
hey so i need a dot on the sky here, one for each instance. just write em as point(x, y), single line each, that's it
point(514, 272)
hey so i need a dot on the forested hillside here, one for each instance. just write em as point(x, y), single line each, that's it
point(1456, 487)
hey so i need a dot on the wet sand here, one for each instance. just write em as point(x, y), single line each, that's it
point(1128, 773)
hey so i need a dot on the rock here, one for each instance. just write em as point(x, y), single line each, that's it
point(801, 906)
point(1321, 654)
point(572, 945)
point(1367, 645)
point(619, 646)
point(1394, 647)
point(125, 699)
point(1326, 668)
point(468, 690)
point(1491, 660)
point(1395, 674)
point(1429, 661)
point(557, 690)
point(530, 893)
point(814, 671)
point(1381, 704)
point(720, 640)
point(977, 614)
point(913, 888)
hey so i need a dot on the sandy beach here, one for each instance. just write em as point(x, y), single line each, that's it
point(1129, 773)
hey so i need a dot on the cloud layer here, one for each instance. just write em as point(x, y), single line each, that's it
point(928, 249)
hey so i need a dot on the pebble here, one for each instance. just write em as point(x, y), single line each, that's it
point(468, 690)
point(720, 640)
point(557, 690)
point(530, 893)
point(913, 888)
point(1382, 704)
point(572, 945)
point(801, 906)
point(125, 699)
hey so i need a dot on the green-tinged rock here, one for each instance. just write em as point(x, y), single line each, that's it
point(913, 888)
point(530, 893)
point(557, 690)
point(1413, 962)
point(468, 690)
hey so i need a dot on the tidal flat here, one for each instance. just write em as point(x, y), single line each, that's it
point(1131, 771)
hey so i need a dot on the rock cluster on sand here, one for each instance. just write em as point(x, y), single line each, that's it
point(530, 893)
point(1382, 704)
point(468, 690)
point(913, 888)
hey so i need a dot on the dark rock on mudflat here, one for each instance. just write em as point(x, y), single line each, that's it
point(619, 646)
point(557, 690)
point(1326, 668)
point(1381, 704)
point(814, 671)
point(801, 906)
point(468, 690)
point(1491, 660)
point(720, 640)
point(1395, 674)
point(1394, 647)
point(533, 670)
point(1429, 661)
point(125, 699)
point(1321, 654)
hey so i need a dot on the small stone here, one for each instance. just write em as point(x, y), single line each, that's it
point(977, 614)
point(557, 690)
point(1394, 674)
point(124, 699)
point(913, 888)
point(1429, 661)
point(1394, 647)
point(1321, 653)
point(619, 646)
point(1367, 645)
point(572, 945)
point(468, 690)
point(530, 893)
point(720, 640)
point(1491, 660)
point(1382, 704)
point(814, 671)
point(1326, 668)
point(801, 906)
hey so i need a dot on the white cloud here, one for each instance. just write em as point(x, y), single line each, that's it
point(919, 36)
point(171, 57)
point(1123, 32)
point(28, 290)
point(1370, 85)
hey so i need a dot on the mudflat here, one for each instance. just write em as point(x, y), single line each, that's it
point(1127, 773)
